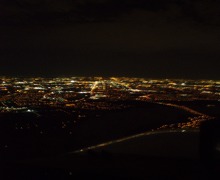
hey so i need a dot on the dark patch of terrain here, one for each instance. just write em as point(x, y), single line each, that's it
point(49, 138)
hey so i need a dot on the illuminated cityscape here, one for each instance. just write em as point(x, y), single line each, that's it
point(76, 97)
point(41, 116)
point(107, 89)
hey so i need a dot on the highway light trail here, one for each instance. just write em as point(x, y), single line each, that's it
point(194, 122)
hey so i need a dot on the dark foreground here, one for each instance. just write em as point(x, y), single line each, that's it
point(179, 158)
point(30, 154)
point(58, 133)
point(116, 167)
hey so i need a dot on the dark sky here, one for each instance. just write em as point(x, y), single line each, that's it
point(142, 38)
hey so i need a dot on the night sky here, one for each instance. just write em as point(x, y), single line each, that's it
point(136, 38)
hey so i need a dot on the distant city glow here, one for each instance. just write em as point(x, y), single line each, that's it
point(97, 93)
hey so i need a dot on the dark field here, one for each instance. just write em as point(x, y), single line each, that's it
point(24, 135)
point(209, 107)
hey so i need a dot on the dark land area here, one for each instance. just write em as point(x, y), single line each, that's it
point(209, 107)
point(24, 135)
point(106, 164)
